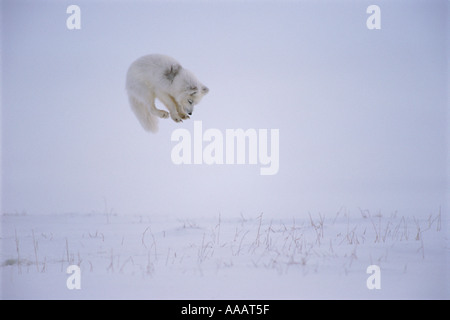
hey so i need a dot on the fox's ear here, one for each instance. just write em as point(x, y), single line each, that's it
point(205, 90)
point(172, 72)
point(192, 90)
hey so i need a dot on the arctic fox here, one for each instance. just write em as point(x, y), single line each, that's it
point(159, 76)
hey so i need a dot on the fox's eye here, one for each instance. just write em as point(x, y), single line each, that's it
point(190, 101)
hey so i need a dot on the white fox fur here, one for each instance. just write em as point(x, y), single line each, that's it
point(159, 76)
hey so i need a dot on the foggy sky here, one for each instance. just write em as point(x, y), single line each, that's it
point(362, 114)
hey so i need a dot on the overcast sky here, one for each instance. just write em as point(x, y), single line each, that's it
point(362, 114)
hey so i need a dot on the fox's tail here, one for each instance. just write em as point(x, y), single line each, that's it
point(148, 121)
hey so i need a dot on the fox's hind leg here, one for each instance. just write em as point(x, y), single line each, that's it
point(157, 112)
point(160, 113)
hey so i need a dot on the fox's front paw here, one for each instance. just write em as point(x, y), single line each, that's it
point(176, 117)
point(183, 116)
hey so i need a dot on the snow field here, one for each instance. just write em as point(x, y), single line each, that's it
point(150, 257)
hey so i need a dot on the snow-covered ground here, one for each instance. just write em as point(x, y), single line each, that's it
point(319, 256)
